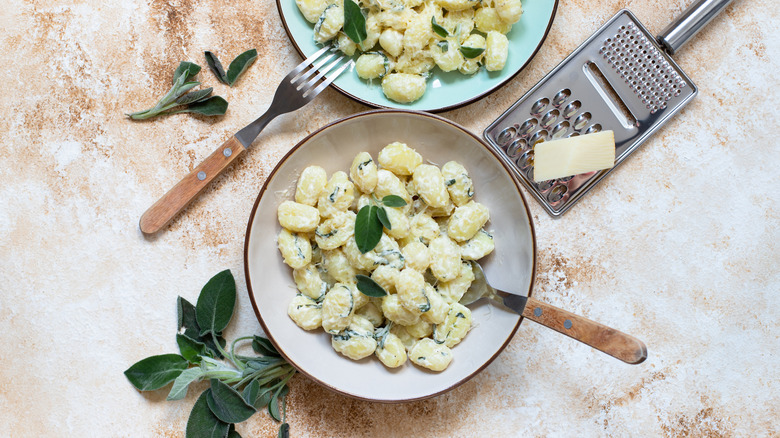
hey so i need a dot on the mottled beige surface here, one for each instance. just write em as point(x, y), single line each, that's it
point(679, 246)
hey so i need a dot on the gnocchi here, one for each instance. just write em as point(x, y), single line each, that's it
point(420, 261)
point(406, 39)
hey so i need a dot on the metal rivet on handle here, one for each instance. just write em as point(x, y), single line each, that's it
point(567, 323)
point(228, 152)
point(201, 175)
point(538, 311)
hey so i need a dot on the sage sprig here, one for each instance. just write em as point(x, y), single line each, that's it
point(180, 99)
point(239, 385)
point(371, 219)
point(354, 22)
point(237, 67)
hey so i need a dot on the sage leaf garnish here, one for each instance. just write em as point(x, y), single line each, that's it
point(354, 22)
point(179, 99)
point(471, 52)
point(156, 371)
point(240, 385)
point(368, 228)
point(215, 66)
point(215, 303)
point(393, 201)
point(369, 287)
point(441, 31)
point(444, 46)
point(381, 214)
point(203, 423)
point(239, 65)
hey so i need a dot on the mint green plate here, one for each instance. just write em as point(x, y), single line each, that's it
point(445, 91)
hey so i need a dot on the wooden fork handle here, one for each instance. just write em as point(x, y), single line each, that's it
point(178, 197)
point(608, 340)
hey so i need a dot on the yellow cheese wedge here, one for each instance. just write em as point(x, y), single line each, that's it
point(574, 155)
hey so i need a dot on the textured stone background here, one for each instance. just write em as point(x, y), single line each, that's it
point(679, 247)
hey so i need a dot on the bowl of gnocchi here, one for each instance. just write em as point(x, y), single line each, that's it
point(358, 250)
point(428, 55)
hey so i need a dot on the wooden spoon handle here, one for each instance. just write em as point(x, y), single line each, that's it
point(171, 203)
point(617, 344)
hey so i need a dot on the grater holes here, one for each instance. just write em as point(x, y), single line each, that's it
point(550, 118)
point(526, 161)
point(544, 186)
point(561, 97)
point(557, 193)
point(538, 137)
point(571, 109)
point(592, 129)
point(515, 148)
point(559, 130)
point(505, 136)
point(582, 120)
point(527, 127)
point(539, 106)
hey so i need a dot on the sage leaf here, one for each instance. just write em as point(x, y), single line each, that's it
point(189, 348)
point(273, 405)
point(263, 346)
point(203, 423)
point(369, 287)
point(444, 46)
point(284, 430)
point(186, 316)
point(215, 66)
point(216, 302)
point(213, 106)
point(441, 31)
point(195, 96)
point(393, 201)
point(187, 69)
point(471, 52)
point(354, 22)
point(251, 391)
point(368, 228)
point(381, 214)
point(154, 372)
point(239, 65)
point(233, 434)
point(180, 385)
point(228, 404)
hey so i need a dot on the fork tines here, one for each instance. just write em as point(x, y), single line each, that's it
point(302, 73)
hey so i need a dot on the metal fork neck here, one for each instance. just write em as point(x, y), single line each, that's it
point(250, 132)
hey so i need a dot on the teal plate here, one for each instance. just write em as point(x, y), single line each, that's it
point(446, 90)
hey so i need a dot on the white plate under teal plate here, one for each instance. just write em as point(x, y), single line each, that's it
point(445, 90)
point(511, 266)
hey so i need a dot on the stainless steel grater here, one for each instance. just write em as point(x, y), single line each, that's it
point(620, 79)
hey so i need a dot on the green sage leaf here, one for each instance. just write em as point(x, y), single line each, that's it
point(180, 385)
point(203, 423)
point(216, 302)
point(444, 46)
point(187, 69)
point(284, 430)
point(154, 372)
point(368, 228)
point(369, 287)
point(228, 404)
point(213, 106)
point(354, 22)
point(471, 52)
point(239, 65)
point(189, 348)
point(187, 320)
point(273, 405)
point(251, 391)
point(442, 32)
point(393, 201)
point(381, 214)
point(233, 434)
point(195, 96)
point(215, 66)
point(264, 346)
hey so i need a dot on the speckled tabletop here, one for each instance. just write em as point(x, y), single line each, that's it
point(679, 246)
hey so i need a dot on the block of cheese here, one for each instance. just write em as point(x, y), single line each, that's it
point(574, 155)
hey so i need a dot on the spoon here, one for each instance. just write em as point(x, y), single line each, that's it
point(608, 340)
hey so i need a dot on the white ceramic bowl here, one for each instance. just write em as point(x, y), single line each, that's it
point(511, 266)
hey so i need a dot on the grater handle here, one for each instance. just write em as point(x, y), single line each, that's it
point(692, 20)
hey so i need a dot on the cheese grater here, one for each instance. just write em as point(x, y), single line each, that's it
point(620, 79)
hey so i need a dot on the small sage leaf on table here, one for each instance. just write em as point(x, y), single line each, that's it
point(284, 431)
point(354, 22)
point(213, 106)
point(188, 326)
point(239, 65)
point(216, 303)
point(215, 66)
point(368, 228)
point(156, 371)
point(195, 96)
point(203, 423)
point(228, 404)
point(233, 434)
point(180, 385)
point(273, 404)
point(189, 348)
point(264, 346)
point(187, 70)
point(369, 287)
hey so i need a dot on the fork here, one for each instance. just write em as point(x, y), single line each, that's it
point(295, 91)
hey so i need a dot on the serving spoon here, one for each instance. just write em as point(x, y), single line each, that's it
point(608, 340)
